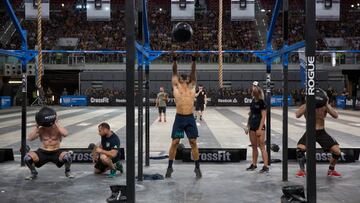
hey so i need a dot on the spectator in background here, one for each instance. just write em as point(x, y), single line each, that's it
point(64, 93)
point(49, 96)
point(345, 93)
point(201, 102)
point(161, 100)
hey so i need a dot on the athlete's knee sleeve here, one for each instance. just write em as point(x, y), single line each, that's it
point(67, 158)
point(28, 160)
point(300, 153)
point(335, 156)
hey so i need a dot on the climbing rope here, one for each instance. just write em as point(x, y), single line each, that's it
point(220, 69)
point(39, 45)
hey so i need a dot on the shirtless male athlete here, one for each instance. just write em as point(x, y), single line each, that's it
point(184, 94)
point(50, 133)
point(328, 143)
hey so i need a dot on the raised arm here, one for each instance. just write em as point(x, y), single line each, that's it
point(175, 75)
point(61, 129)
point(34, 134)
point(193, 71)
point(332, 111)
point(301, 111)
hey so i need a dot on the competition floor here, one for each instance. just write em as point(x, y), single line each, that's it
point(221, 128)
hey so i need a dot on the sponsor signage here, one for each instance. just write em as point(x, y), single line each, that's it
point(277, 100)
point(349, 104)
point(83, 155)
point(67, 42)
point(5, 102)
point(117, 101)
point(99, 101)
point(234, 101)
point(214, 155)
point(348, 155)
point(31, 9)
point(73, 100)
point(341, 102)
point(247, 101)
point(310, 80)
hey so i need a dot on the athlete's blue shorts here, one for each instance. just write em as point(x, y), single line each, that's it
point(184, 124)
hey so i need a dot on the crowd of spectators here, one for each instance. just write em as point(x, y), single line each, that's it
point(68, 22)
point(349, 15)
point(3, 18)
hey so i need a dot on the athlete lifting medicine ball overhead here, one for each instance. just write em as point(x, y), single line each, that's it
point(320, 97)
point(46, 117)
point(182, 32)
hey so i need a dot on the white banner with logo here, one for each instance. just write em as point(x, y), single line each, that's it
point(67, 42)
point(334, 41)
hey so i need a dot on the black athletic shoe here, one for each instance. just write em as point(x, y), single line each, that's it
point(68, 174)
point(32, 176)
point(169, 172)
point(264, 169)
point(117, 194)
point(198, 173)
point(201, 118)
point(251, 167)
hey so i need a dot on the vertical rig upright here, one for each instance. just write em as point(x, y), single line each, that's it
point(130, 103)
point(310, 44)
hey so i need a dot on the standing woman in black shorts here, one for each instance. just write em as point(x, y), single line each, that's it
point(256, 125)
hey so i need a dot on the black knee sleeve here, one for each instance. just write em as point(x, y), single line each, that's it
point(335, 156)
point(300, 153)
point(30, 163)
point(28, 160)
point(67, 157)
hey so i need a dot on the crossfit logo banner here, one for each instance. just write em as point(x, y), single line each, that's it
point(99, 100)
point(348, 155)
point(83, 155)
point(214, 155)
point(310, 76)
point(222, 156)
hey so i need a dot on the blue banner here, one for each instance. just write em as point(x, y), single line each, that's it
point(341, 102)
point(277, 100)
point(5, 102)
point(73, 100)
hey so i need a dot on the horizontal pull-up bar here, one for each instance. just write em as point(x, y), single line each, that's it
point(208, 51)
point(18, 53)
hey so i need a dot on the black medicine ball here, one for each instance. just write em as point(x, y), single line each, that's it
point(274, 147)
point(45, 117)
point(321, 98)
point(296, 192)
point(182, 32)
